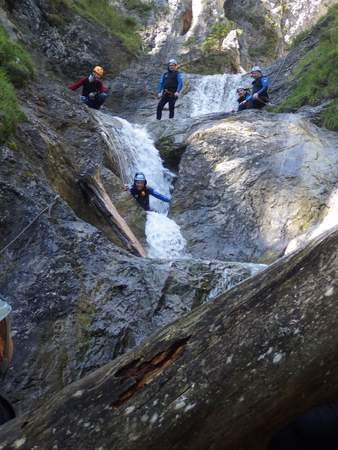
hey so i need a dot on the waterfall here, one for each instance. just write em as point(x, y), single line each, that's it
point(135, 151)
point(212, 93)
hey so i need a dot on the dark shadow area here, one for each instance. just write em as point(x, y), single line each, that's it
point(315, 430)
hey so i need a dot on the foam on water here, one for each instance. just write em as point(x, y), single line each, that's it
point(136, 152)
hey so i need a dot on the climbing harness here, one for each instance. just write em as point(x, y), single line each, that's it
point(48, 208)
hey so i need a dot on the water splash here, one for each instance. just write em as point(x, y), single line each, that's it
point(136, 152)
point(164, 237)
point(213, 93)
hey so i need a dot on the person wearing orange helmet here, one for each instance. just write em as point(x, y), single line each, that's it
point(93, 92)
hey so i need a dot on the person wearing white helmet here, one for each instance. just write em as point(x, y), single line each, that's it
point(169, 87)
point(259, 94)
point(141, 191)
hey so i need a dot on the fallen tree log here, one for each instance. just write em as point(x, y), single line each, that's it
point(93, 188)
point(224, 377)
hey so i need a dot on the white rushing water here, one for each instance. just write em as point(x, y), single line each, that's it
point(136, 152)
point(213, 93)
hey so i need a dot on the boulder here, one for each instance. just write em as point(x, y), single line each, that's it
point(250, 183)
point(226, 376)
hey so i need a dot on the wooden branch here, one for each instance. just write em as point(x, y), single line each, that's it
point(224, 377)
point(92, 186)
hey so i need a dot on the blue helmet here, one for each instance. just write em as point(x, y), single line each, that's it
point(139, 176)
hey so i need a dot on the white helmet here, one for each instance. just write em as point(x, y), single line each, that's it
point(256, 69)
point(172, 61)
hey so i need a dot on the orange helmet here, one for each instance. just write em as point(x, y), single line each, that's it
point(98, 70)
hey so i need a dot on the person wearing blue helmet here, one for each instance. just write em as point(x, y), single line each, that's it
point(141, 192)
point(259, 96)
point(169, 87)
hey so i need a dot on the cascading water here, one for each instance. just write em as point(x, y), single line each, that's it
point(136, 152)
point(212, 93)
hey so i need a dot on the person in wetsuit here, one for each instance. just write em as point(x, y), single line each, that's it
point(93, 92)
point(259, 95)
point(243, 94)
point(169, 87)
point(141, 192)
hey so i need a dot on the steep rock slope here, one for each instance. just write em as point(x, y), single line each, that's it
point(78, 298)
point(250, 183)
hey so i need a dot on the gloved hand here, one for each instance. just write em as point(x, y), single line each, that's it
point(92, 95)
point(255, 96)
point(176, 94)
point(159, 95)
point(243, 103)
point(126, 187)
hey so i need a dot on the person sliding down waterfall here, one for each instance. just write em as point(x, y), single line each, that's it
point(259, 95)
point(169, 87)
point(140, 191)
point(93, 92)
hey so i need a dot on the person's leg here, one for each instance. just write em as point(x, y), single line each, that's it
point(160, 107)
point(260, 103)
point(246, 105)
point(98, 101)
point(172, 101)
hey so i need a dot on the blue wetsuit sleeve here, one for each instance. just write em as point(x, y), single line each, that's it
point(265, 86)
point(156, 194)
point(160, 84)
point(179, 82)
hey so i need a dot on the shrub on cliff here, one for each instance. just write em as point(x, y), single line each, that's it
point(316, 73)
point(16, 68)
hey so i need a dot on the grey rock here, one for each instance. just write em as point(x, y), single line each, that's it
point(250, 183)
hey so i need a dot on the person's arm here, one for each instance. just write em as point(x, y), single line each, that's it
point(77, 84)
point(179, 82)
point(160, 84)
point(265, 86)
point(102, 89)
point(156, 194)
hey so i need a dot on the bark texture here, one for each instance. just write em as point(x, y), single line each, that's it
point(224, 377)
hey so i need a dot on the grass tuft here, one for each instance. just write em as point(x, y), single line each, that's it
point(317, 75)
point(16, 68)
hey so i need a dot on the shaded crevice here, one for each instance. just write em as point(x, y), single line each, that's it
point(144, 373)
point(187, 20)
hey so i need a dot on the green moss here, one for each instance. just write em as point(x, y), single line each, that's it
point(16, 68)
point(316, 73)
point(329, 116)
point(10, 114)
point(14, 60)
point(139, 7)
point(213, 42)
point(104, 14)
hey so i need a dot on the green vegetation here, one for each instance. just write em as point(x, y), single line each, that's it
point(316, 74)
point(14, 60)
point(214, 40)
point(139, 7)
point(16, 68)
point(103, 13)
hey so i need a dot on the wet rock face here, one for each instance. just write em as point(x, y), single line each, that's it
point(249, 184)
point(78, 300)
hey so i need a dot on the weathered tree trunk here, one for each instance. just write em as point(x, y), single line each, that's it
point(92, 186)
point(224, 377)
